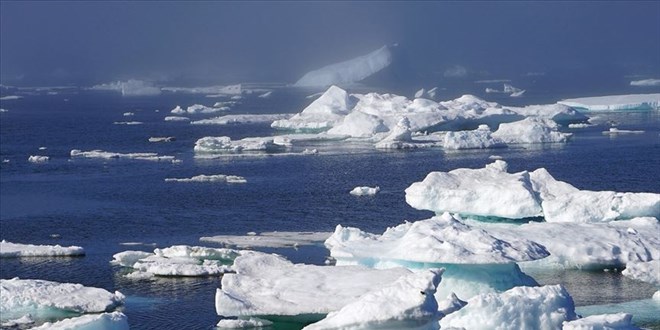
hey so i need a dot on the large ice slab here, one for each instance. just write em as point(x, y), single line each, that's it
point(644, 271)
point(321, 114)
point(409, 301)
point(224, 144)
point(242, 119)
point(178, 260)
point(270, 239)
point(104, 321)
point(11, 250)
point(41, 299)
point(544, 307)
point(100, 154)
point(615, 102)
point(269, 285)
point(348, 72)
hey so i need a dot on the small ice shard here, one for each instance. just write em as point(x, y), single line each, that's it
point(545, 307)
point(242, 119)
point(162, 139)
point(129, 114)
point(178, 110)
point(15, 250)
point(616, 131)
point(3, 110)
point(310, 152)
point(618, 321)
point(365, 191)
point(615, 102)
point(210, 178)
point(410, 300)
point(644, 271)
point(531, 130)
point(100, 154)
point(269, 285)
point(43, 148)
point(224, 144)
point(36, 297)
point(321, 114)
point(38, 159)
point(420, 93)
point(266, 95)
point(178, 260)
point(128, 123)
point(270, 239)
point(104, 321)
point(348, 72)
point(176, 118)
point(247, 323)
point(456, 71)
point(645, 82)
point(518, 93)
point(10, 97)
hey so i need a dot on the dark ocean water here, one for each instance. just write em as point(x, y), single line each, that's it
point(99, 204)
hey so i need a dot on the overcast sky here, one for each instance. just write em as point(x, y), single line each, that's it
point(91, 42)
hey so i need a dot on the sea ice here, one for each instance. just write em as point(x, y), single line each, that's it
point(100, 154)
point(217, 91)
point(481, 138)
point(104, 321)
point(270, 239)
point(248, 323)
point(560, 113)
point(545, 307)
point(38, 159)
point(616, 131)
point(129, 114)
point(364, 191)
point(10, 97)
point(615, 102)
point(618, 321)
point(199, 108)
point(162, 139)
point(242, 119)
point(128, 123)
point(210, 178)
point(11, 250)
point(531, 130)
point(645, 82)
point(43, 299)
point(269, 285)
point(224, 144)
point(178, 260)
point(176, 118)
point(644, 271)
point(321, 114)
point(348, 72)
point(408, 301)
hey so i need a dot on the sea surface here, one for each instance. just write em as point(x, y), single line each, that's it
point(100, 204)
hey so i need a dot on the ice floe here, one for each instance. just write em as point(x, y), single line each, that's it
point(269, 285)
point(507, 89)
point(644, 271)
point(176, 118)
point(128, 123)
point(493, 192)
point(45, 299)
point(129, 114)
point(615, 102)
point(242, 119)
point(270, 239)
point(645, 82)
point(348, 72)
point(210, 178)
point(545, 307)
point(12, 250)
point(364, 191)
point(10, 97)
point(131, 87)
point(178, 260)
point(247, 323)
point(100, 154)
point(618, 321)
point(616, 131)
point(210, 90)
point(224, 144)
point(407, 302)
point(104, 321)
point(38, 159)
point(162, 139)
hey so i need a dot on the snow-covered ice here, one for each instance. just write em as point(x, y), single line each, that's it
point(644, 271)
point(615, 102)
point(11, 250)
point(269, 285)
point(43, 299)
point(364, 191)
point(38, 159)
point(273, 239)
point(348, 72)
point(104, 321)
point(645, 82)
point(545, 307)
point(410, 300)
point(224, 144)
point(176, 118)
point(100, 154)
point(618, 321)
point(210, 178)
point(247, 323)
point(531, 130)
point(242, 119)
point(321, 114)
point(178, 260)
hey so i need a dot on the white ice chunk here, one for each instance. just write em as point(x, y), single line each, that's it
point(616, 131)
point(400, 137)
point(129, 114)
point(10, 97)
point(176, 118)
point(269, 285)
point(558, 112)
point(224, 144)
point(100, 154)
point(619, 321)
point(210, 178)
point(38, 159)
point(540, 308)
point(11, 250)
point(270, 239)
point(451, 304)
point(645, 82)
point(321, 114)
point(480, 138)
point(128, 123)
point(248, 323)
point(644, 271)
point(242, 119)
point(162, 139)
point(199, 108)
point(531, 130)
point(359, 124)
point(408, 301)
point(349, 71)
point(266, 95)
point(364, 191)
point(105, 321)
point(36, 297)
point(615, 102)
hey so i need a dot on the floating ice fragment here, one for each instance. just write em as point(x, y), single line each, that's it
point(644, 271)
point(176, 118)
point(321, 114)
point(105, 321)
point(162, 139)
point(210, 178)
point(645, 82)
point(224, 144)
point(616, 131)
point(619, 321)
point(38, 159)
point(11, 250)
point(364, 191)
point(274, 239)
point(266, 95)
point(10, 97)
point(129, 114)
point(100, 154)
point(248, 323)
point(128, 123)
point(531, 130)
point(242, 119)
point(615, 102)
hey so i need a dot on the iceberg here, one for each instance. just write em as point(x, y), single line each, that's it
point(38, 159)
point(100, 154)
point(269, 285)
point(645, 82)
point(131, 87)
point(104, 321)
point(531, 130)
point(199, 108)
point(364, 191)
point(321, 114)
point(242, 119)
point(481, 138)
point(16, 250)
point(45, 299)
point(644, 271)
point(615, 102)
point(348, 72)
point(210, 178)
point(275, 239)
point(546, 307)
point(178, 260)
point(224, 144)
point(408, 302)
